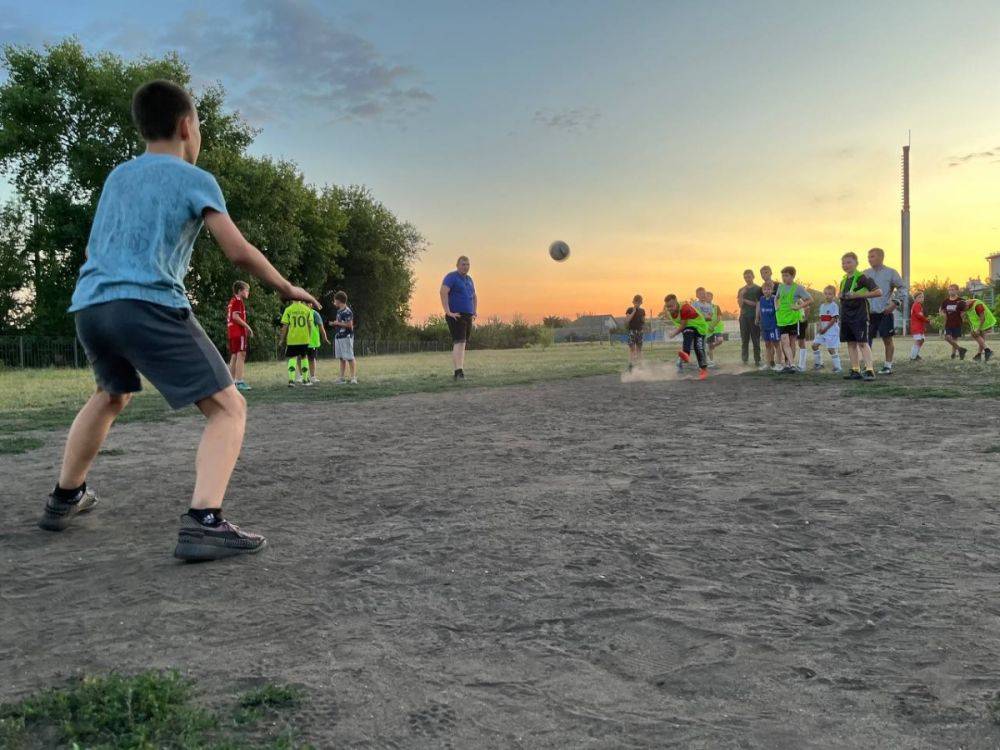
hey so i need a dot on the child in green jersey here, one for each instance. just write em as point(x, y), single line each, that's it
point(296, 331)
point(318, 333)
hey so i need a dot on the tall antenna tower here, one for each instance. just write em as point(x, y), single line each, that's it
point(904, 228)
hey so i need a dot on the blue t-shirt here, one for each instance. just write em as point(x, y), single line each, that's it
point(768, 314)
point(461, 291)
point(344, 316)
point(147, 219)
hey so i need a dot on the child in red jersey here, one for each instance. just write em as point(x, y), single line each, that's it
point(918, 326)
point(239, 333)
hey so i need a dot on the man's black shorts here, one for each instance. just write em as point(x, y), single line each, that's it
point(792, 330)
point(854, 330)
point(460, 327)
point(881, 326)
point(125, 337)
point(297, 350)
point(803, 329)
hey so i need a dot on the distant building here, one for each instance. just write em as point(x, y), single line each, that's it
point(976, 288)
point(994, 260)
point(587, 328)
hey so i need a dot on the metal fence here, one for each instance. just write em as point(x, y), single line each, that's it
point(48, 351)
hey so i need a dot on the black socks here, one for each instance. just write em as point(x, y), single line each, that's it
point(69, 496)
point(206, 516)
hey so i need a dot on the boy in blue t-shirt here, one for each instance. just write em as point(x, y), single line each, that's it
point(133, 316)
point(767, 319)
point(458, 298)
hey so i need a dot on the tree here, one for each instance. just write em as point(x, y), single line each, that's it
point(65, 123)
point(376, 268)
point(554, 321)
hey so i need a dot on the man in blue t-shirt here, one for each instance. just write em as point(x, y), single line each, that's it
point(458, 297)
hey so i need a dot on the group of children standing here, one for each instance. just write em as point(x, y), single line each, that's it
point(856, 312)
point(302, 335)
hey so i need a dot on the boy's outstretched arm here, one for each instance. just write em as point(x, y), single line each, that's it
point(244, 255)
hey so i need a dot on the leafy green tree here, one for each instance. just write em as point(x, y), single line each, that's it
point(376, 268)
point(65, 123)
point(555, 321)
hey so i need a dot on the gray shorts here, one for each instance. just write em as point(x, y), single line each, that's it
point(167, 345)
point(344, 348)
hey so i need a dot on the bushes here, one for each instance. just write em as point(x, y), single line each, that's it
point(491, 333)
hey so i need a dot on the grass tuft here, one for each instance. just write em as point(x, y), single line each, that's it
point(148, 711)
point(19, 444)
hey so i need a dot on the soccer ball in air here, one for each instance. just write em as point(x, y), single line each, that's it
point(559, 250)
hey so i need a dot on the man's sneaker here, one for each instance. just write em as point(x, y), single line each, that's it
point(307, 382)
point(315, 380)
point(199, 541)
point(868, 375)
point(354, 381)
point(853, 375)
point(789, 370)
point(763, 367)
point(988, 355)
point(58, 513)
point(683, 356)
point(886, 370)
point(978, 357)
point(838, 370)
point(918, 358)
point(241, 386)
point(817, 366)
point(962, 351)
point(339, 381)
point(461, 375)
point(291, 383)
point(703, 374)
point(953, 354)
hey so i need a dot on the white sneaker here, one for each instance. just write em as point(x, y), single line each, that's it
point(762, 366)
point(298, 378)
point(777, 368)
point(354, 381)
point(340, 381)
point(315, 380)
point(838, 369)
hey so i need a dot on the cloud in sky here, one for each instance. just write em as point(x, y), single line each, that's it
point(281, 54)
point(570, 120)
point(991, 154)
point(275, 57)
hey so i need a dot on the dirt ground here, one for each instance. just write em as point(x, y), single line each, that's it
point(742, 563)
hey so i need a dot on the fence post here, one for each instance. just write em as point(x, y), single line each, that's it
point(20, 346)
point(76, 353)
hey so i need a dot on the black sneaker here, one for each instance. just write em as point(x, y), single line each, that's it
point(789, 370)
point(868, 375)
point(885, 371)
point(978, 357)
point(59, 513)
point(918, 358)
point(962, 351)
point(461, 375)
point(197, 541)
point(853, 375)
point(953, 354)
point(987, 355)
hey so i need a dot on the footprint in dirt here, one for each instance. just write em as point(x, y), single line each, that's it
point(435, 721)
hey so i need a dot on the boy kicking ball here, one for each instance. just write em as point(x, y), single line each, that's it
point(693, 327)
point(953, 307)
point(133, 316)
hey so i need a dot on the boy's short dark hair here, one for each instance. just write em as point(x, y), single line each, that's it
point(850, 255)
point(341, 297)
point(239, 286)
point(158, 106)
point(670, 298)
point(790, 270)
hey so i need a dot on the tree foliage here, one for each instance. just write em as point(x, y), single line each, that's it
point(65, 123)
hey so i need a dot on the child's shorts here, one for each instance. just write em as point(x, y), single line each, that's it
point(126, 337)
point(830, 339)
point(344, 348)
point(771, 334)
point(955, 333)
point(918, 337)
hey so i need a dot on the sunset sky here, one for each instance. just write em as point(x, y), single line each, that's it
point(671, 144)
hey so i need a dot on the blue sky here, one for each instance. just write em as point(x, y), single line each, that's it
point(671, 144)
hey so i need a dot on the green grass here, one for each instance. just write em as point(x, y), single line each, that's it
point(49, 399)
point(39, 400)
point(148, 711)
point(19, 444)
